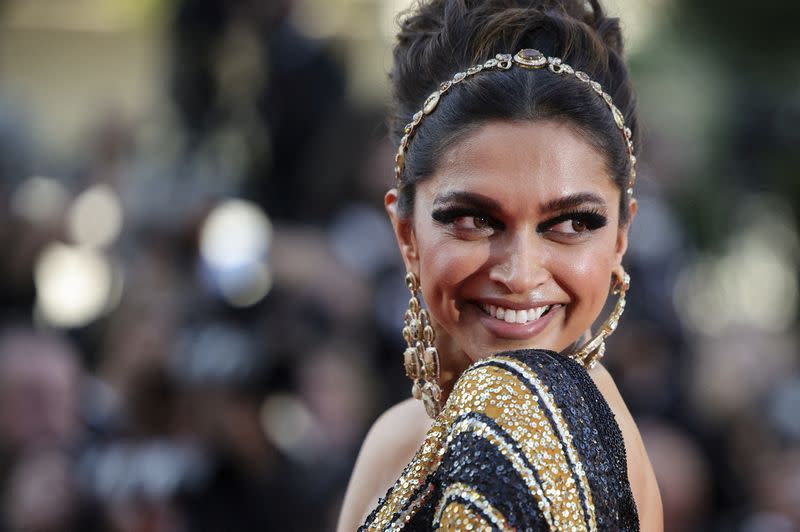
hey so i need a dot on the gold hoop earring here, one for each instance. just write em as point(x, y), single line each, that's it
point(421, 359)
point(594, 349)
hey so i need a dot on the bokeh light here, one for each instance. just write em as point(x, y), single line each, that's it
point(288, 423)
point(245, 286)
point(234, 244)
point(74, 286)
point(39, 199)
point(95, 217)
point(235, 234)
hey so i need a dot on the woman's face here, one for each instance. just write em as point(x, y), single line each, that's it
point(514, 238)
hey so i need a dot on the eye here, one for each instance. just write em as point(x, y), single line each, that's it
point(574, 223)
point(466, 220)
point(570, 226)
point(472, 222)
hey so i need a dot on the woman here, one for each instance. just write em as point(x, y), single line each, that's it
point(515, 125)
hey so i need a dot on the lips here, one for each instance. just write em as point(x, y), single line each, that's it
point(527, 322)
point(520, 316)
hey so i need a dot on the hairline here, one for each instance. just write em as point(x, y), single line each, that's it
point(454, 138)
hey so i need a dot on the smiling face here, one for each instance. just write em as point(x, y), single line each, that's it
point(514, 239)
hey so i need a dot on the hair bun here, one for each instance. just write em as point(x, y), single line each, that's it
point(439, 37)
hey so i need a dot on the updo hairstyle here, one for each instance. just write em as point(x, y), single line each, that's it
point(438, 38)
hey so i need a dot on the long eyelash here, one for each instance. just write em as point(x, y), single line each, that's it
point(448, 215)
point(592, 219)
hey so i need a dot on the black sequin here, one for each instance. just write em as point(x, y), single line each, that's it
point(492, 462)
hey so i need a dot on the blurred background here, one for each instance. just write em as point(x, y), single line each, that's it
point(201, 298)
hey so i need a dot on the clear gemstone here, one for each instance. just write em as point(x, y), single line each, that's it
point(430, 103)
point(618, 118)
point(411, 363)
point(415, 328)
point(432, 389)
point(459, 77)
point(583, 76)
point(431, 361)
point(416, 389)
point(431, 405)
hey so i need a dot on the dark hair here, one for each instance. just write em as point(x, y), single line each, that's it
point(438, 38)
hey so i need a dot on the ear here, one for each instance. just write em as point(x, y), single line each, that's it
point(403, 231)
point(622, 235)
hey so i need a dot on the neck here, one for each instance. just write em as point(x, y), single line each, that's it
point(452, 362)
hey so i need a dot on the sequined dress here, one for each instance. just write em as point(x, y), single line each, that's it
point(525, 442)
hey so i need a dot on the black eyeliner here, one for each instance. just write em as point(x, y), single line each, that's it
point(447, 215)
point(591, 218)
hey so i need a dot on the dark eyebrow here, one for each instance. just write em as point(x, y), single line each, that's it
point(572, 201)
point(563, 203)
point(476, 200)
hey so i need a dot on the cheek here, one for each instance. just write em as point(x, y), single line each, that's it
point(447, 264)
point(446, 268)
point(585, 273)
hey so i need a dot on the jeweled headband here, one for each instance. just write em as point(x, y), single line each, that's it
point(526, 58)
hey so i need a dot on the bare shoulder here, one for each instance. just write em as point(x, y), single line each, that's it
point(640, 471)
point(389, 446)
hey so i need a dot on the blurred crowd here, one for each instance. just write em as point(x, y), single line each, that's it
point(200, 317)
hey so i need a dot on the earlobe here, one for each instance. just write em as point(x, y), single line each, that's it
point(403, 231)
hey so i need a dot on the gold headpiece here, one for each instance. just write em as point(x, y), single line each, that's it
point(526, 58)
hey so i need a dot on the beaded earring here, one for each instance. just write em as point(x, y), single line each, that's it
point(421, 358)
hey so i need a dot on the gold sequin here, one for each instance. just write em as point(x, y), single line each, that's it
point(500, 388)
point(564, 435)
point(455, 515)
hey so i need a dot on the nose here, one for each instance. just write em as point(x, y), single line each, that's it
point(521, 264)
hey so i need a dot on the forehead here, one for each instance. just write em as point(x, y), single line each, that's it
point(522, 162)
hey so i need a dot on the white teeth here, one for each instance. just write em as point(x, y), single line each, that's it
point(515, 316)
